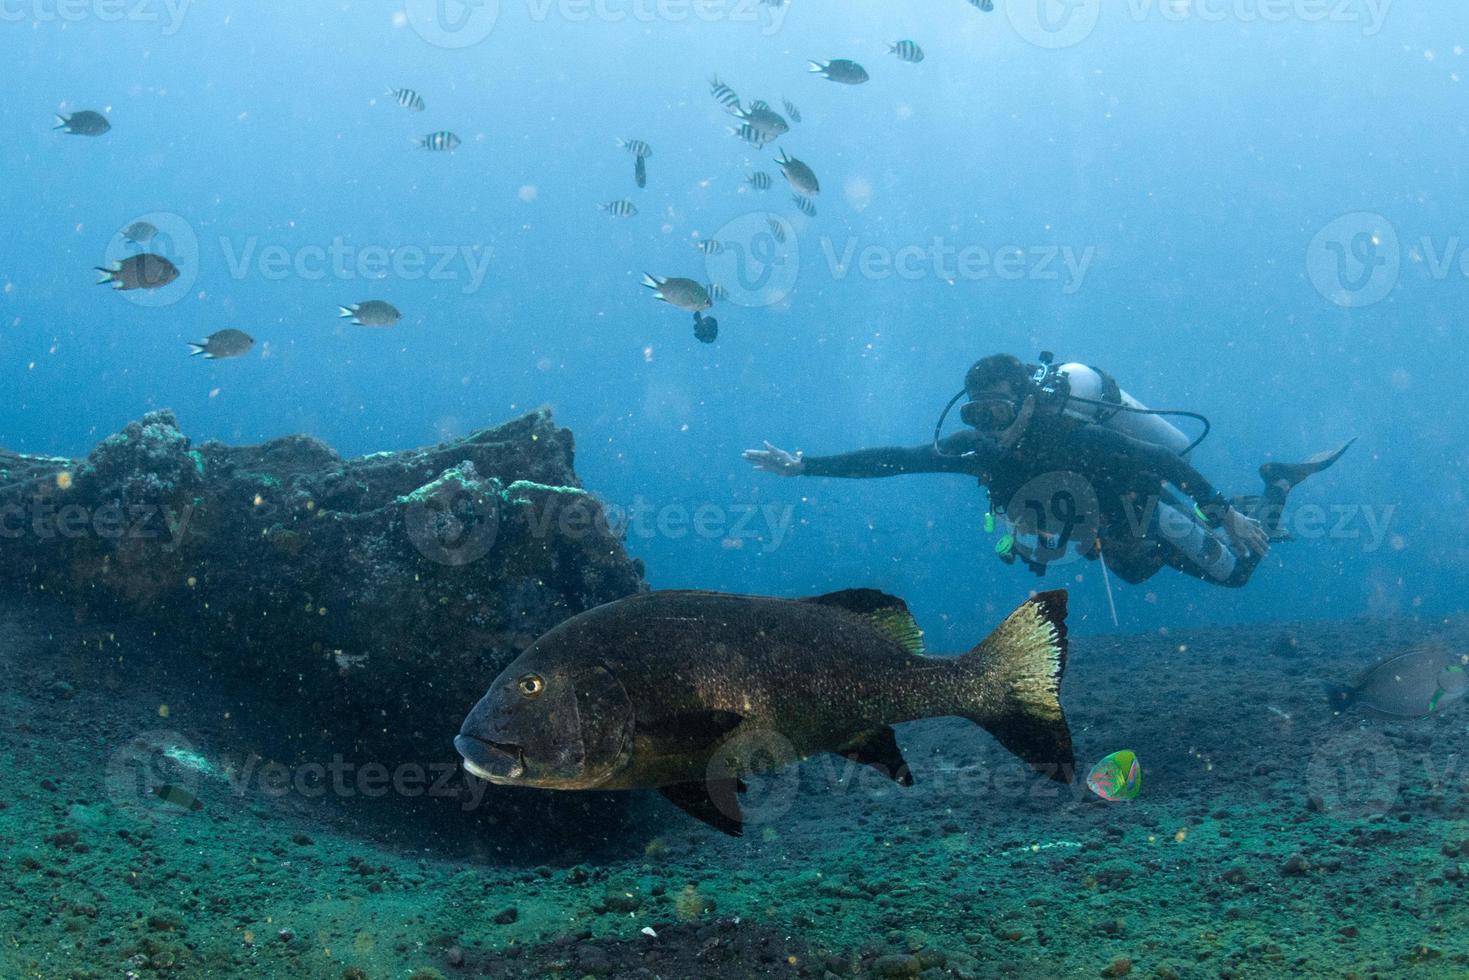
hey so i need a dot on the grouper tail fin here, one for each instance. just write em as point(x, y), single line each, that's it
point(1013, 681)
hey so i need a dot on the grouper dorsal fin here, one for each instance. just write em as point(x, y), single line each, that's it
point(887, 613)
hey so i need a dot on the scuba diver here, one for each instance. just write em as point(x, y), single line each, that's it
point(1071, 459)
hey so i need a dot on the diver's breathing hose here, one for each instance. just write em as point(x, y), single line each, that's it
point(1181, 413)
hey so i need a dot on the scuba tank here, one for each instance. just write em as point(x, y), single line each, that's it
point(1090, 395)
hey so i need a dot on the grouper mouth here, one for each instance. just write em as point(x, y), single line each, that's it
point(496, 762)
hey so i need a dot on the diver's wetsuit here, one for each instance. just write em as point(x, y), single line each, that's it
point(1140, 529)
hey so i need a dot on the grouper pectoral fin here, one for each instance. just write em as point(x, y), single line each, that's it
point(690, 730)
point(878, 748)
point(713, 801)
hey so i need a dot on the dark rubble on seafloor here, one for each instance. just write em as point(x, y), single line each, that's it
point(390, 587)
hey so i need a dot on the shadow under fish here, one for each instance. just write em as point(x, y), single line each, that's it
point(691, 692)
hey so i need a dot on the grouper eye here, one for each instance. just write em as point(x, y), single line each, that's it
point(531, 685)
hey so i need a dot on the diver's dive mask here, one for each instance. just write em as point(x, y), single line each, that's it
point(990, 413)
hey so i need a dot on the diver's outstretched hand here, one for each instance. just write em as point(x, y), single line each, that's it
point(777, 461)
point(1247, 536)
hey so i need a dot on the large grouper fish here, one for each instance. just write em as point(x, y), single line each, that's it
point(670, 690)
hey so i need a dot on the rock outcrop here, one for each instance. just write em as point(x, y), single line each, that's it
point(384, 591)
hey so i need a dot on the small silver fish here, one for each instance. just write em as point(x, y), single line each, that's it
point(801, 177)
point(841, 70)
point(908, 51)
point(804, 205)
point(791, 110)
point(760, 180)
point(682, 293)
point(144, 271)
point(372, 313)
point(718, 293)
point(407, 98)
point(139, 232)
point(765, 121)
point(636, 147)
point(620, 209)
point(777, 230)
point(723, 94)
point(441, 142)
point(223, 344)
point(709, 246)
point(84, 123)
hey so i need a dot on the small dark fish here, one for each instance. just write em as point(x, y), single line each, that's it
point(985, 5)
point(1410, 685)
point(841, 70)
point(139, 232)
point(777, 230)
point(760, 180)
point(682, 293)
point(804, 205)
point(801, 177)
point(636, 147)
point(908, 51)
point(145, 271)
point(84, 123)
point(791, 110)
point(690, 692)
point(724, 95)
point(706, 329)
point(640, 171)
point(407, 98)
point(177, 796)
point(372, 313)
point(223, 344)
point(441, 142)
point(620, 209)
point(709, 246)
point(750, 135)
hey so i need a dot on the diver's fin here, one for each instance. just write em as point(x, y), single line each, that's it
point(1014, 677)
point(712, 801)
point(694, 729)
point(886, 612)
point(1294, 473)
point(878, 748)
